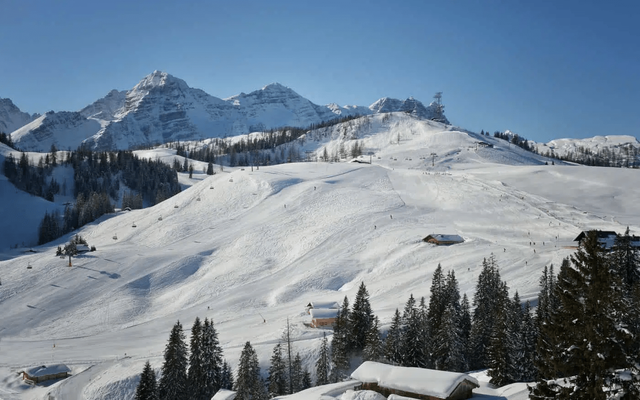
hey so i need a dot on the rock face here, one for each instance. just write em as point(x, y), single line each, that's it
point(11, 118)
point(162, 108)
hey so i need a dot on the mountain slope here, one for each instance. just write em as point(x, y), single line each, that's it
point(11, 118)
point(251, 248)
point(162, 108)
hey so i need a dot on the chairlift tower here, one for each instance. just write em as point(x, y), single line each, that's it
point(439, 107)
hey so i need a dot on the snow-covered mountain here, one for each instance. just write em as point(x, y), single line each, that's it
point(250, 248)
point(11, 118)
point(162, 108)
point(562, 147)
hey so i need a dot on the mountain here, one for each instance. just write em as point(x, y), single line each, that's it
point(11, 118)
point(162, 108)
point(249, 249)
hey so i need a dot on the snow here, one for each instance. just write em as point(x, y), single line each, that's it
point(241, 258)
point(323, 312)
point(413, 380)
point(224, 394)
point(43, 370)
point(325, 304)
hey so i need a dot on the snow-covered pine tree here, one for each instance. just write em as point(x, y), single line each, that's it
point(322, 364)
point(528, 372)
point(360, 319)
point(248, 384)
point(502, 343)
point(625, 259)
point(147, 388)
point(212, 361)
point(450, 356)
point(393, 341)
point(465, 327)
point(277, 373)
point(296, 374)
point(173, 383)
point(587, 327)
point(487, 303)
point(373, 345)
point(413, 338)
point(196, 374)
point(226, 377)
point(340, 347)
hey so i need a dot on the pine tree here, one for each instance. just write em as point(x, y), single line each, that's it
point(360, 319)
point(210, 169)
point(212, 362)
point(587, 326)
point(322, 365)
point(487, 302)
point(248, 384)
point(528, 372)
point(196, 374)
point(226, 377)
point(306, 379)
point(147, 388)
point(500, 348)
point(413, 343)
point(373, 345)
point(277, 373)
point(625, 259)
point(296, 374)
point(393, 341)
point(173, 383)
point(450, 353)
point(465, 327)
point(340, 349)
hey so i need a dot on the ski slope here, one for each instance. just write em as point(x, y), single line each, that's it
point(250, 248)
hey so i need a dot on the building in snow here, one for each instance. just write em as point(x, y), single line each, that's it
point(43, 373)
point(224, 394)
point(417, 383)
point(322, 304)
point(606, 239)
point(443, 240)
point(323, 316)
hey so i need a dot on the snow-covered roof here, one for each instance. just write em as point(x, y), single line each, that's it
point(323, 312)
point(414, 380)
point(325, 304)
point(224, 394)
point(43, 370)
point(446, 238)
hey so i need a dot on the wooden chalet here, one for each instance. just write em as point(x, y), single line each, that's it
point(443, 240)
point(44, 373)
point(323, 316)
point(418, 383)
point(605, 238)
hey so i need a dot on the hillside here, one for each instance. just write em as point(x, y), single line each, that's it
point(250, 248)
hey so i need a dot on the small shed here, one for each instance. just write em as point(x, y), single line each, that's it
point(323, 316)
point(485, 144)
point(417, 383)
point(82, 248)
point(322, 304)
point(44, 373)
point(443, 239)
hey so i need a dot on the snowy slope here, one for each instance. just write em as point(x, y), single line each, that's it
point(251, 248)
point(64, 129)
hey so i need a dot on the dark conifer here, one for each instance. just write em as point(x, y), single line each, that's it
point(373, 345)
point(248, 384)
point(393, 341)
point(212, 361)
point(322, 364)
point(360, 319)
point(413, 338)
point(340, 349)
point(226, 377)
point(147, 388)
point(173, 383)
point(196, 374)
point(277, 373)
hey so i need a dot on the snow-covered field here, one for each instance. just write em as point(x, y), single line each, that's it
point(250, 249)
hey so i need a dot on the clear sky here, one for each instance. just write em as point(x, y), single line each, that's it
point(543, 69)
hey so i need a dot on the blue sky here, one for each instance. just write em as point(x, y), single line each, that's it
point(543, 69)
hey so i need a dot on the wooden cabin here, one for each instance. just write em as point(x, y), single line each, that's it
point(443, 240)
point(417, 383)
point(44, 373)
